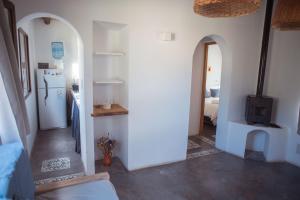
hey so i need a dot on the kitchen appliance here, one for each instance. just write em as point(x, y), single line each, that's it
point(51, 85)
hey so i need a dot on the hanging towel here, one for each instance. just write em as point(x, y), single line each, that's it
point(10, 76)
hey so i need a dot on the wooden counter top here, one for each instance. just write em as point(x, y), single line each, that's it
point(116, 109)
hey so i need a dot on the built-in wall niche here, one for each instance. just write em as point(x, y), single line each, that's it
point(110, 85)
point(110, 63)
point(257, 145)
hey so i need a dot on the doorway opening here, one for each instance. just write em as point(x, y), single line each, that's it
point(55, 54)
point(205, 98)
point(211, 84)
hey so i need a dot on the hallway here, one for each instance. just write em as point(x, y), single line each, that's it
point(54, 158)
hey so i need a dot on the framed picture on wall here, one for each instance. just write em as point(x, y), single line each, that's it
point(24, 68)
point(11, 16)
point(57, 50)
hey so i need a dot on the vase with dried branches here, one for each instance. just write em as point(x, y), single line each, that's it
point(106, 145)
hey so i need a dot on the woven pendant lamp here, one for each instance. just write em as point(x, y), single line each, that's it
point(287, 15)
point(225, 8)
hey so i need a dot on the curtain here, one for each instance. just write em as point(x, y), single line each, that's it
point(10, 75)
point(76, 126)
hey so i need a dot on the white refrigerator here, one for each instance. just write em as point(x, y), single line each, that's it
point(51, 99)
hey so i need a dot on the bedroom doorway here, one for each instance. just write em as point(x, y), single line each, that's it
point(204, 101)
point(211, 84)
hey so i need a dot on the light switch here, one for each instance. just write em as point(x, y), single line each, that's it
point(166, 36)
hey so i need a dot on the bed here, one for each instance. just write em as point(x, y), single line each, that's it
point(211, 109)
point(95, 187)
point(16, 181)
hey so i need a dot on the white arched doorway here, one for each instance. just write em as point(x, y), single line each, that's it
point(197, 96)
point(79, 62)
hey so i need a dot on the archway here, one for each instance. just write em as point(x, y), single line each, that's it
point(196, 89)
point(80, 63)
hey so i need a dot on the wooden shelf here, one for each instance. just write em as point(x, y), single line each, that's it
point(116, 109)
point(109, 82)
point(109, 53)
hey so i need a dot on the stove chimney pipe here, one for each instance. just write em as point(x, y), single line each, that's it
point(264, 49)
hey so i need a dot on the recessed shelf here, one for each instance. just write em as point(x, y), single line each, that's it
point(109, 82)
point(109, 53)
point(116, 109)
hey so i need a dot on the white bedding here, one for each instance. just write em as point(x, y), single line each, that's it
point(211, 109)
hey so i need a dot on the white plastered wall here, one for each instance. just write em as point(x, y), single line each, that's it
point(160, 72)
point(283, 84)
point(31, 104)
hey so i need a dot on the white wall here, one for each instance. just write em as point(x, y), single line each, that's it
point(56, 31)
point(196, 88)
point(8, 128)
point(283, 84)
point(30, 101)
point(214, 62)
point(160, 72)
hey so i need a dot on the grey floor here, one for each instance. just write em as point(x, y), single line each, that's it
point(51, 144)
point(213, 177)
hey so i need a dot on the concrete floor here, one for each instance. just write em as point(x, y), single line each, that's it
point(51, 144)
point(213, 177)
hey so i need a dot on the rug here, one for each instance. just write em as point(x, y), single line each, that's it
point(192, 145)
point(207, 140)
point(200, 146)
point(55, 164)
point(60, 178)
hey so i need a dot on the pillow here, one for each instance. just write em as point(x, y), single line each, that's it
point(214, 92)
point(207, 93)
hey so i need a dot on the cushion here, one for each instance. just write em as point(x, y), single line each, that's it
point(215, 92)
point(16, 180)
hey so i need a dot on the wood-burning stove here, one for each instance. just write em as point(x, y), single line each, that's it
point(259, 107)
point(259, 110)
